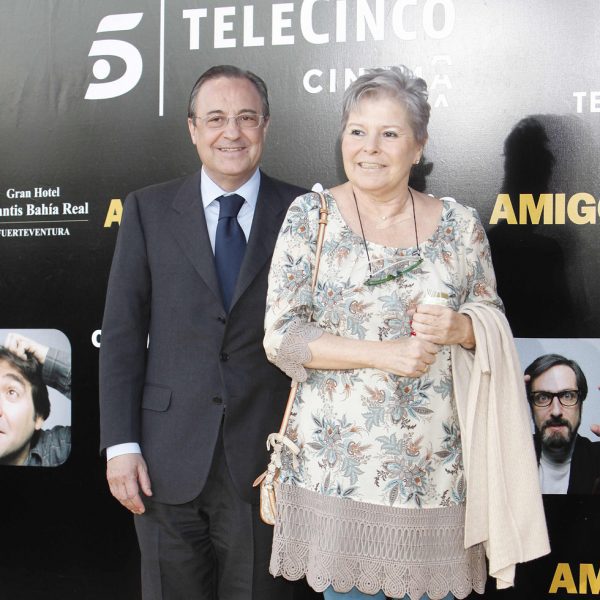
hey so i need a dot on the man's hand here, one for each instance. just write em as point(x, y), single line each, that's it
point(126, 475)
point(20, 345)
point(596, 428)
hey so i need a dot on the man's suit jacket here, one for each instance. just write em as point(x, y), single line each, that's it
point(201, 366)
point(584, 476)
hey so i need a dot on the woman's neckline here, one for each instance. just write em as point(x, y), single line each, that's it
point(426, 242)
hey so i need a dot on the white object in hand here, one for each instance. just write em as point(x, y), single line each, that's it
point(435, 297)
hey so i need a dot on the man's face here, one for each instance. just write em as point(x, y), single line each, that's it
point(229, 155)
point(557, 424)
point(18, 420)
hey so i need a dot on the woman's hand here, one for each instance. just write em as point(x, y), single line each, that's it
point(407, 357)
point(442, 325)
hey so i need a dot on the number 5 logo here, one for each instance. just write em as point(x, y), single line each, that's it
point(124, 50)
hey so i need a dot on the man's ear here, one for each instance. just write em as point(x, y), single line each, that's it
point(192, 128)
point(38, 422)
point(266, 126)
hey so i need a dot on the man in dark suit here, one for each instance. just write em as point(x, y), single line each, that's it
point(187, 395)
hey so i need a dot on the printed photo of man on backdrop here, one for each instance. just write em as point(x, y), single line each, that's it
point(27, 368)
point(568, 462)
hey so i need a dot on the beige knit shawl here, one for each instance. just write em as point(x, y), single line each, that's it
point(504, 504)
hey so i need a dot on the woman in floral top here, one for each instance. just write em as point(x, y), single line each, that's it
point(374, 503)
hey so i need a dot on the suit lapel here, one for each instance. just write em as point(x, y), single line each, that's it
point(270, 207)
point(188, 224)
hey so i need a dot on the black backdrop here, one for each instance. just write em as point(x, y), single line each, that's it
point(516, 112)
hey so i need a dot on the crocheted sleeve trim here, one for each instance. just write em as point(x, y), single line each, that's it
point(294, 352)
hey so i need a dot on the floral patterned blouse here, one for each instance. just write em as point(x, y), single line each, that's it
point(366, 435)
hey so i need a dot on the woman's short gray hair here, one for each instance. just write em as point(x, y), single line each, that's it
point(399, 83)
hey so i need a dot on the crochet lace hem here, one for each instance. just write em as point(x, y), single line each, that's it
point(345, 543)
point(294, 351)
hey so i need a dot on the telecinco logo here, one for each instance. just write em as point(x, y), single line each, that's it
point(124, 50)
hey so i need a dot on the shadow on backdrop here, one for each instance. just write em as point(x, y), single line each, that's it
point(419, 174)
point(529, 265)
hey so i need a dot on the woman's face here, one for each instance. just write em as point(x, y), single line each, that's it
point(379, 147)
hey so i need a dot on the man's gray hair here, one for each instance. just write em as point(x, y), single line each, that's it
point(229, 72)
point(399, 83)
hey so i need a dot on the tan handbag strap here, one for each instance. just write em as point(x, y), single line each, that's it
point(323, 213)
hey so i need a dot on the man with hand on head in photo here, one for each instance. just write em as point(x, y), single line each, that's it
point(26, 367)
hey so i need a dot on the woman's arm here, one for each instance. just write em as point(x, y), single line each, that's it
point(442, 325)
point(407, 357)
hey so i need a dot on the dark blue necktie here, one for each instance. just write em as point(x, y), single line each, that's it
point(230, 245)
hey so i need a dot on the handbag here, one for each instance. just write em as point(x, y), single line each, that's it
point(268, 480)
